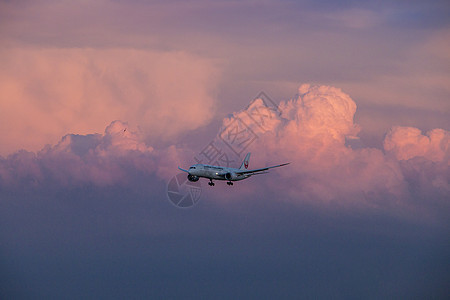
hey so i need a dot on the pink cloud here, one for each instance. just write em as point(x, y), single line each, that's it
point(99, 159)
point(47, 93)
point(408, 142)
point(310, 131)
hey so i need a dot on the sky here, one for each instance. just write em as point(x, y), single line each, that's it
point(101, 101)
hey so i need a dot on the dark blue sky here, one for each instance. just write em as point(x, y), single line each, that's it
point(131, 243)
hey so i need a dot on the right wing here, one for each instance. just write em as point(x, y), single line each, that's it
point(257, 171)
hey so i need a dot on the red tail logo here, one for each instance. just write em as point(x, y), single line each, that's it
point(246, 164)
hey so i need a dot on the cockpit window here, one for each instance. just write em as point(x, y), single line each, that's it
point(191, 168)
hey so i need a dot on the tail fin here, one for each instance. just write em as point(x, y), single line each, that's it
point(244, 164)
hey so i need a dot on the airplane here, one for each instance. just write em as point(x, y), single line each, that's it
point(197, 171)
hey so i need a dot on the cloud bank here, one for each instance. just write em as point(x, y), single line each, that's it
point(315, 130)
point(118, 157)
point(49, 92)
point(312, 131)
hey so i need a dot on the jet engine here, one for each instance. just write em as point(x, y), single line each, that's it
point(230, 176)
point(193, 178)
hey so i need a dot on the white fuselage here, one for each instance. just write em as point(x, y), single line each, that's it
point(216, 172)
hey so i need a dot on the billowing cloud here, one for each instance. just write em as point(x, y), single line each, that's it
point(407, 142)
point(314, 132)
point(117, 157)
point(311, 131)
point(47, 93)
point(424, 161)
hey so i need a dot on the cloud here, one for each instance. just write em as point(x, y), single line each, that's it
point(424, 161)
point(47, 93)
point(312, 131)
point(117, 157)
point(407, 142)
point(357, 49)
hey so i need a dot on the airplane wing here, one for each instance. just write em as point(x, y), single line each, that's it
point(183, 170)
point(260, 171)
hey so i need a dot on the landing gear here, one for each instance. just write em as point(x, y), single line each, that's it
point(229, 183)
point(211, 183)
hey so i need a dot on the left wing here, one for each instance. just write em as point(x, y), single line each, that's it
point(259, 171)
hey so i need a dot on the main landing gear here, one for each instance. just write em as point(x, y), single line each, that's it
point(211, 183)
